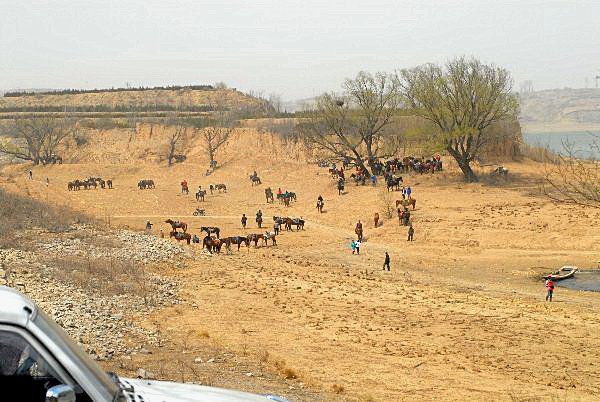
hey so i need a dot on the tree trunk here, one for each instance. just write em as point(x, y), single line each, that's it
point(470, 176)
point(211, 155)
point(464, 165)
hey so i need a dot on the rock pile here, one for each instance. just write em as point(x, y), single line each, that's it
point(102, 323)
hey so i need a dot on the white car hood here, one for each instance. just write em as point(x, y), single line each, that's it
point(165, 391)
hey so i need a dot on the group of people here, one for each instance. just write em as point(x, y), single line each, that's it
point(259, 219)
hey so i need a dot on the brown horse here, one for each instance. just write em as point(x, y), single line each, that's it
point(269, 236)
point(411, 201)
point(210, 230)
point(269, 194)
point(179, 236)
point(212, 244)
point(320, 205)
point(239, 240)
point(177, 225)
point(254, 237)
point(359, 230)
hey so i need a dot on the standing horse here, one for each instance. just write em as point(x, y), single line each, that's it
point(269, 194)
point(255, 180)
point(340, 186)
point(210, 229)
point(200, 195)
point(181, 236)
point(269, 236)
point(254, 237)
point(212, 244)
point(359, 231)
point(393, 183)
point(320, 205)
point(239, 240)
point(177, 225)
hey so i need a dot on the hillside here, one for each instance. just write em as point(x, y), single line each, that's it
point(561, 108)
point(460, 316)
point(154, 99)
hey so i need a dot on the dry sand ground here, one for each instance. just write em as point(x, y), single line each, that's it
point(460, 316)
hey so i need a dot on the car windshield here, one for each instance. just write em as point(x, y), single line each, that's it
point(89, 367)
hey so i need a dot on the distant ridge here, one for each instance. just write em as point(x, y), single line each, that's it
point(561, 107)
point(34, 92)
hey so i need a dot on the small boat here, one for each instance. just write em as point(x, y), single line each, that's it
point(565, 272)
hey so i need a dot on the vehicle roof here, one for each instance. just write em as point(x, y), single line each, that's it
point(16, 307)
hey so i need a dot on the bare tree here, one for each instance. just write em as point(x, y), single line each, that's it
point(176, 141)
point(462, 100)
point(571, 179)
point(37, 140)
point(220, 127)
point(355, 125)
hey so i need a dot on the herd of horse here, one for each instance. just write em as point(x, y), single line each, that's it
point(215, 243)
point(89, 183)
point(283, 197)
point(146, 184)
point(200, 194)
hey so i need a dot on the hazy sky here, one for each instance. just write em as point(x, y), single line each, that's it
point(295, 48)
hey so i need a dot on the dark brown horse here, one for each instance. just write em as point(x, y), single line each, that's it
point(177, 225)
point(179, 236)
point(254, 237)
point(320, 205)
point(239, 240)
point(212, 244)
point(210, 230)
point(269, 194)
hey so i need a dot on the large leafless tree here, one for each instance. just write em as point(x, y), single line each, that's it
point(462, 99)
point(176, 141)
point(355, 124)
point(572, 179)
point(218, 130)
point(37, 140)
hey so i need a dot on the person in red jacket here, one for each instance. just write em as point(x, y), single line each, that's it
point(549, 288)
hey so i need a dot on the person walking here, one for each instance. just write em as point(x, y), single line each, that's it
point(276, 227)
point(411, 233)
point(386, 262)
point(353, 246)
point(408, 192)
point(259, 218)
point(30, 174)
point(357, 247)
point(244, 220)
point(549, 288)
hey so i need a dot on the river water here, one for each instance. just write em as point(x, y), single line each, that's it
point(555, 141)
point(582, 280)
